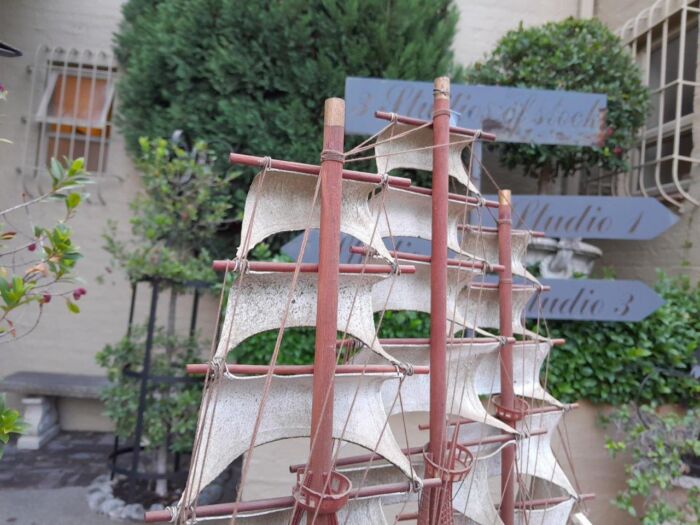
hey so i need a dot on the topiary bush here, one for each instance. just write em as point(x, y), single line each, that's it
point(647, 361)
point(253, 76)
point(573, 55)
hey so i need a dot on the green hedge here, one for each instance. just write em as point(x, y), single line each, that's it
point(648, 361)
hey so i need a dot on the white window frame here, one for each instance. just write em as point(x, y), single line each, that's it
point(50, 63)
point(641, 30)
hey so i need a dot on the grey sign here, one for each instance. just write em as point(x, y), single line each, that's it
point(513, 114)
point(589, 217)
point(595, 300)
point(574, 299)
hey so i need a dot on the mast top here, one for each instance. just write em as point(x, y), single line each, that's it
point(334, 112)
point(504, 197)
point(441, 87)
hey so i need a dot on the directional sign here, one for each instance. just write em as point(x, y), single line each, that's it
point(589, 217)
point(576, 299)
point(513, 114)
point(595, 300)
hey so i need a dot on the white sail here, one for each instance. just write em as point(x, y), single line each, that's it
point(226, 428)
point(471, 498)
point(463, 374)
point(535, 456)
point(358, 511)
point(409, 215)
point(478, 306)
point(281, 201)
point(528, 359)
point(482, 244)
point(260, 300)
point(470, 303)
point(553, 515)
point(414, 151)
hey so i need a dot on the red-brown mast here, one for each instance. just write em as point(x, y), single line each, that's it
point(433, 501)
point(507, 399)
point(321, 460)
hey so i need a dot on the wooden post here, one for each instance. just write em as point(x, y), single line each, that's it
point(321, 459)
point(434, 502)
point(505, 300)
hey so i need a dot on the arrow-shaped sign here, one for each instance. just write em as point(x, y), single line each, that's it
point(589, 217)
point(576, 299)
point(595, 300)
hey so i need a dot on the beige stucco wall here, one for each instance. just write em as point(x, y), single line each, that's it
point(64, 342)
point(483, 22)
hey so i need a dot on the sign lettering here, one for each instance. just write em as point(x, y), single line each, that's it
point(590, 217)
point(513, 114)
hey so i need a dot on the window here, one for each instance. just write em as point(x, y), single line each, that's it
point(73, 117)
point(664, 42)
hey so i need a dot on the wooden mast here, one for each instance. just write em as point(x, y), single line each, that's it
point(436, 503)
point(507, 399)
point(321, 460)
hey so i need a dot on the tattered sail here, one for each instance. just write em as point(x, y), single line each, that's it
point(471, 303)
point(471, 498)
point(406, 213)
point(282, 201)
point(464, 368)
point(258, 302)
point(358, 418)
point(482, 244)
point(405, 146)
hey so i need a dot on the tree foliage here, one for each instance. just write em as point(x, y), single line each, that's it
point(176, 218)
point(252, 76)
point(572, 55)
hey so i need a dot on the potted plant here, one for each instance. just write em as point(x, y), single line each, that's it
point(174, 227)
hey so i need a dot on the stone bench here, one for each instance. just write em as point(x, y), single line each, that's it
point(39, 391)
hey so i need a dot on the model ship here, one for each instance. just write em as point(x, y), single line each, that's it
point(488, 458)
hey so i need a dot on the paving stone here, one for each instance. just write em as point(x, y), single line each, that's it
point(71, 459)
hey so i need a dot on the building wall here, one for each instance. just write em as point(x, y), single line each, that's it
point(65, 342)
point(677, 251)
point(483, 22)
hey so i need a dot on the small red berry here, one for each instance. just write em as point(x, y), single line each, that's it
point(31, 247)
point(76, 295)
point(618, 151)
point(46, 298)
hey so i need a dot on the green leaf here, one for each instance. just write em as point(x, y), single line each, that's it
point(72, 307)
point(72, 200)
